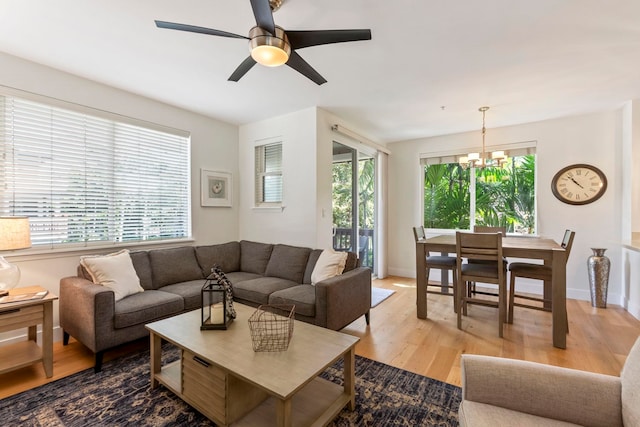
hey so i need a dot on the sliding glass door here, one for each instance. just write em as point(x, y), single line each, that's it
point(354, 198)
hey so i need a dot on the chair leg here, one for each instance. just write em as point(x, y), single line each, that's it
point(454, 276)
point(65, 338)
point(512, 292)
point(462, 304)
point(367, 317)
point(502, 307)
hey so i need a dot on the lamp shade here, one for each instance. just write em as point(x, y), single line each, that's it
point(14, 233)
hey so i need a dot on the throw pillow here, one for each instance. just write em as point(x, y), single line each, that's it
point(115, 271)
point(218, 275)
point(330, 263)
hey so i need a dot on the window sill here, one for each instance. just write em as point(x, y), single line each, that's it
point(40, 253)
point(268, 208)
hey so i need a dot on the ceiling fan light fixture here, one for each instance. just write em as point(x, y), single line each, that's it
point(267, 49)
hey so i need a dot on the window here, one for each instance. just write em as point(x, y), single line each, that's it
point(269, 174)
point(85, 179)
point(459, 198)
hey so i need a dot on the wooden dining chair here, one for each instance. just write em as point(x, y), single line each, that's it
point(439, 262)
point(534, 271)
point(485, 229)
point(485, 247)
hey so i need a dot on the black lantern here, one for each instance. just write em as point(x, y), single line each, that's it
point(214, 305)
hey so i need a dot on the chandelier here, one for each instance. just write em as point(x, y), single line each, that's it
point(483, 159)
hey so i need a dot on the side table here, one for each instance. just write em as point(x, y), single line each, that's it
point(28, 314)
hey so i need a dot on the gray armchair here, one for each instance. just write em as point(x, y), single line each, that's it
point(504, 392)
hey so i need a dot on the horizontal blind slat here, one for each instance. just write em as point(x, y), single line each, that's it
point(82, 178)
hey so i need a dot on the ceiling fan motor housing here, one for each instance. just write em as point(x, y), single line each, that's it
point(267, 49)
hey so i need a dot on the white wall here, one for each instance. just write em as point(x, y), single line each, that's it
point(307, 157)
point(296, 223)
point(593, 139)
point(214, 145)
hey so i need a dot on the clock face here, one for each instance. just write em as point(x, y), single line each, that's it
point(579, 184)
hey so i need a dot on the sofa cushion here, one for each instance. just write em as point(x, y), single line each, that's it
point(241, 276)
point(352, 262)
point(288, 262)
point(146, 307)
point(329, 264)
point(190, 291)
point(142, 264)
point(114, 271)
point(174, 265)
point(254, 256)
point(258, 290)
point(303, 297)
point(313, 258)
point(226, 255)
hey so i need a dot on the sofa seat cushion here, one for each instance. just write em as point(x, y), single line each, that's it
point(258, 290)
point(146, 307)
point(302, 296)
point(225, 255)
point(241, 276)
point(190, 292)
point(481, 414)
point(288, 262)
point(174, 265)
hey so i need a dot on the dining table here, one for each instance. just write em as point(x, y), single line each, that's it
point(527, 247)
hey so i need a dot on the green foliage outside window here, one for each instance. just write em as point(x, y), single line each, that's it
point(342, 195)
point(504, 196)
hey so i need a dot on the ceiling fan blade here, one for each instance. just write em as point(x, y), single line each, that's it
point(264, 16)
point(242, 69)
point(194, 29)
point(300, 65)
point(301, 39)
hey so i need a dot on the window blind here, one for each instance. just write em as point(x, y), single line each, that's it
point(268, 173)
point(82, 178)
point(511, 150)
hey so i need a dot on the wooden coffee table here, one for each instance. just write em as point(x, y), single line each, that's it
point(221, 376)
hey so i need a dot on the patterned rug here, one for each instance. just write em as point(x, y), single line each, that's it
point(120, 396)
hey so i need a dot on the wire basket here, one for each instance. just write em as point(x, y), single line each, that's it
point(272, 327)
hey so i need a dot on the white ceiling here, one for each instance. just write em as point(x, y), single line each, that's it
point(429, 66)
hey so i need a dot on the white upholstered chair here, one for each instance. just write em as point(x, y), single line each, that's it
point(501, 392)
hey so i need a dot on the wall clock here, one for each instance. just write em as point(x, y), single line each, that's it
point(579, 184)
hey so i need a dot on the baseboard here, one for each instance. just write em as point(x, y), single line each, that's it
point(14, 338)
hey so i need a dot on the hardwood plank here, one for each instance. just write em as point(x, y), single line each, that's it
point(598, 340)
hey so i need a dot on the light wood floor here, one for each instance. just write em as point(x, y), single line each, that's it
point(599, 339)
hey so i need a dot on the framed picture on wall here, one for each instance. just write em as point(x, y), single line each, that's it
point(216, 188)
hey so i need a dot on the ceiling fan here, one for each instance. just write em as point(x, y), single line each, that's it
point(271, 45)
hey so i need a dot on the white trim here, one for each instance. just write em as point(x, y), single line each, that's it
point(461, 151)
point(360, 139)
point(55, 102)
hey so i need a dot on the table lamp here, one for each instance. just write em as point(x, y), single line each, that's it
point(14, 234)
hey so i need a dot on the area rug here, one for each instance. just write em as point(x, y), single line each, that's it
point(379, 294)
point(120, 396)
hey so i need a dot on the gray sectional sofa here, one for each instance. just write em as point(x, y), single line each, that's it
point(172, 278)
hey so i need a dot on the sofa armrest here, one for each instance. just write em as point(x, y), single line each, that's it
point(87, 311)
point(342, 299)
point(569, 395)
